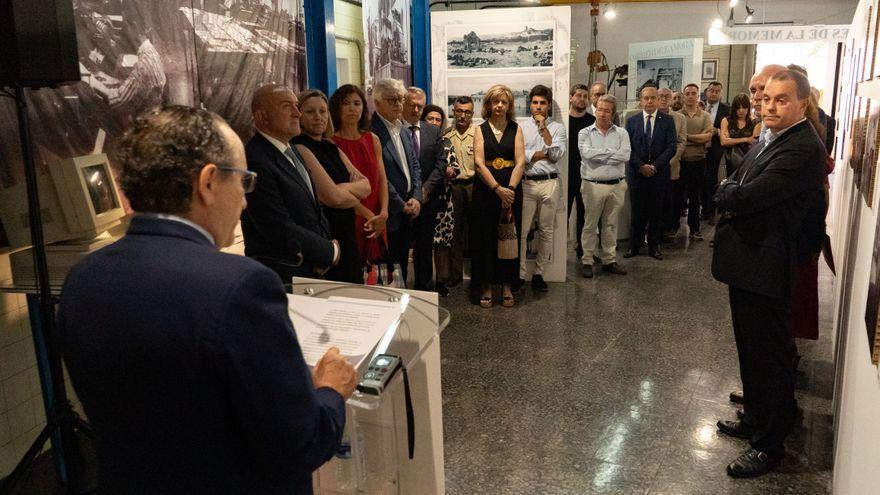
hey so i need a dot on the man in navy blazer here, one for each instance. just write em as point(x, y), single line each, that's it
point(284, 227)
point(401, 167)
point(184, 357)
point(653, 140)
point(428, 145)
point(774, 221)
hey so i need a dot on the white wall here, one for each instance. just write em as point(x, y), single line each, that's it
point(857, 455)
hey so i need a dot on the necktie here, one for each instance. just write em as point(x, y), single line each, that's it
point(300, 168)
point(648, 130)
point(414, 134)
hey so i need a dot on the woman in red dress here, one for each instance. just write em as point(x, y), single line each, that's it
point(348, 110)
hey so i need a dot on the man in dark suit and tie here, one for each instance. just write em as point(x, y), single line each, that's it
point(774, 218)
point(284, 227)
point(401, 167)
point(184, 357)
point(653, 140)
point(717, 110)
point(428, 146)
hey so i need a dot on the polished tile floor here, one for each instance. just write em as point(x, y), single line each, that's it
point(614, 385)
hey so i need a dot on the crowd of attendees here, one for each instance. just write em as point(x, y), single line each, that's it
point(403, 185)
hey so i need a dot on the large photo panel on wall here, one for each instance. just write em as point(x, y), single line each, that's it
point(520, 48)
point(136, 54)
point(387, 51)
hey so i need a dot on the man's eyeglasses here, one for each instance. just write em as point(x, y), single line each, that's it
point(248, 178)
point(394, 100)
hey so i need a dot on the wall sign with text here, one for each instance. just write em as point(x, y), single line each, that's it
point(751, 35)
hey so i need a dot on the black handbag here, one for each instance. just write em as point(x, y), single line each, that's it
point(761, 267)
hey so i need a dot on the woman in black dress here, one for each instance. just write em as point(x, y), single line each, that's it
point(338, 184)
point(738, 132)
point(499, 158)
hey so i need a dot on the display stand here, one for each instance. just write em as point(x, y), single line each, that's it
point(376, 428)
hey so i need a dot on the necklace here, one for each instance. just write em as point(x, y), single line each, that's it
point(495, 130)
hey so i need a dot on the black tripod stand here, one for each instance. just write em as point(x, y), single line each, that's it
point(61, 417)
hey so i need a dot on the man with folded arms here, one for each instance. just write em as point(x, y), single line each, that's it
point(545, 146)
point(774, 219)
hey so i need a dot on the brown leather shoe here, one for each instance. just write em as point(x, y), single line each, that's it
point(614, 268)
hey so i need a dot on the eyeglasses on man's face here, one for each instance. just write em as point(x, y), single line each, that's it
point(248, 178)
point(394, 100)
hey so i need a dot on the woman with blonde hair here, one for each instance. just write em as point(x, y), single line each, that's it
point(334, 175)
point(499, 159)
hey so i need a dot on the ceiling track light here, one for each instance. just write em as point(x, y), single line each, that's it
point(750, 12)
point(610, 11)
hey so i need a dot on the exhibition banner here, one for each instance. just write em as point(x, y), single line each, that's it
point(136, 54)
point(752, 35)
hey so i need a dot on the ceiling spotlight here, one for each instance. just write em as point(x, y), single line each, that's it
point(749, 13)
point(610, 13)
point(717, 23)
point(733, 3)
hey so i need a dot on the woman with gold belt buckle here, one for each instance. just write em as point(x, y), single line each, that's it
point(499, 158)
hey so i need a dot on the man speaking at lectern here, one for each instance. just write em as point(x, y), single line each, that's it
point(184, 357)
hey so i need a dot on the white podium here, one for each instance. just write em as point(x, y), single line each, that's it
point(376, 426)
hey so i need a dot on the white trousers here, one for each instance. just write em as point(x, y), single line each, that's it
point(601, 201)
point(539, 198)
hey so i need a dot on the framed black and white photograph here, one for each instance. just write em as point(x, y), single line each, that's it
point(476, 87)
point(710, 70)
point(659, 73)
point(869, 159)
point(386, 41)
point(137, 54)
point(493, 46)
point(872, 305)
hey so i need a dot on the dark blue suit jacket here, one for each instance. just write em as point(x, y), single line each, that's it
point(186, 364)
point(431, 161)
point(658, 151)
point(283, 219)
point(397, 190)
point(776, 202)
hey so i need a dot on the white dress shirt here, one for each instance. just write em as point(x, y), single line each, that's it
point(179, 219)
point(603, 155)
point(394, 130)
point(534, 142)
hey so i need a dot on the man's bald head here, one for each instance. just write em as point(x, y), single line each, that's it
point(275, 112)
point(759, 81)
point(264, 96)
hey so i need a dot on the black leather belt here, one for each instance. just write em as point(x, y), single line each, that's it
point(463, 182)
point(540, 177)
point(607, 182)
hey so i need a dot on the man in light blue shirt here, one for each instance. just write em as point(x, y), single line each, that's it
point(605, 150)
point(545, 146)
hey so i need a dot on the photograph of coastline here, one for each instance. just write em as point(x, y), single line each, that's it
point(494, 46)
